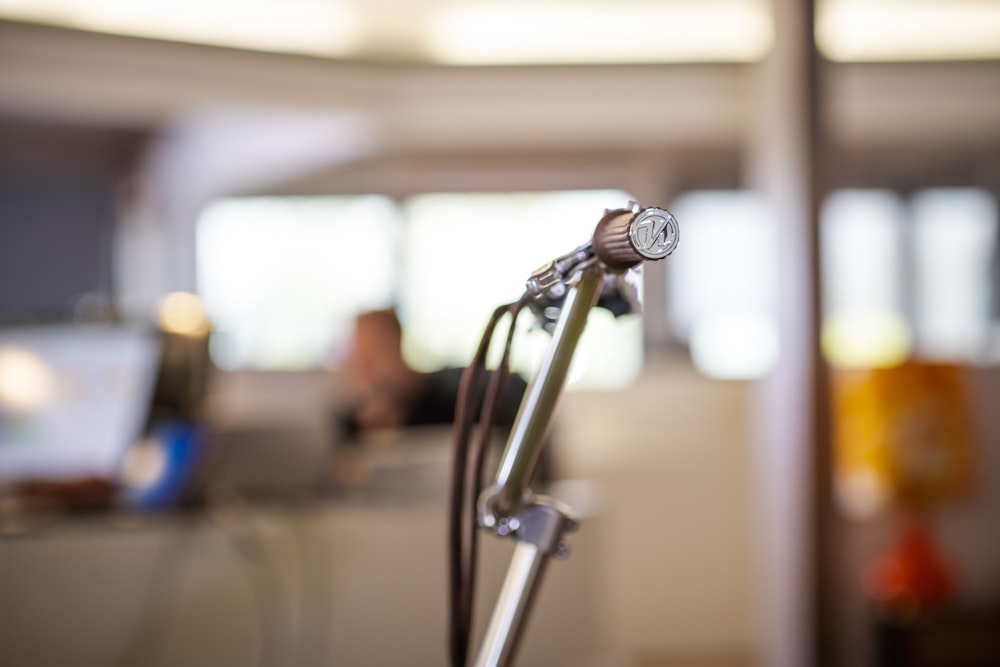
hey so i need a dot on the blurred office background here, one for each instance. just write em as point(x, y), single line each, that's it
point(792, 458)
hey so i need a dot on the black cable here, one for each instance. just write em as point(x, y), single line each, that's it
point(467, 482)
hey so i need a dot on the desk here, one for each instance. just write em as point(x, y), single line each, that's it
point(345, 583)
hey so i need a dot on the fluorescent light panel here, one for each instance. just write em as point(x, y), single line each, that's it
point(597, 33)
point(906, 30)
point(312, 27)
point(498, 33)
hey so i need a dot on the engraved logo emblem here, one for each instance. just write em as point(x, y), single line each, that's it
point(653, 233)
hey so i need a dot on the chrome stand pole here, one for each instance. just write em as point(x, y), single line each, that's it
point(623, 239)
point(542, 527)
point(538, 524)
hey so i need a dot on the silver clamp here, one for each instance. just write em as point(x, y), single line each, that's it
point(541, 521)
point(550, 280)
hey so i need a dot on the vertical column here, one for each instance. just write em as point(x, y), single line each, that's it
point(791, 402)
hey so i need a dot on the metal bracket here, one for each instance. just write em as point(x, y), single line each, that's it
point(541, 521)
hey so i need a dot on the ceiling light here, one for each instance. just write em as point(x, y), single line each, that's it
point(531, 33)
point(182, 313)
point(895, 30)
point(311, 27)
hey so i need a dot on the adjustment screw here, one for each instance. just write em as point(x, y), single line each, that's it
point(506, 526)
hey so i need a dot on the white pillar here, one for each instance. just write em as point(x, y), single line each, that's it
point(783, 137)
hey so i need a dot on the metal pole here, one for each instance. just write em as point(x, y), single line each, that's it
point(504, 631)
point(538, 525)
point(541, 527)
point(532, 422)
point(623, 238)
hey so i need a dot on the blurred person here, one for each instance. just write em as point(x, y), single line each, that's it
point(388, 394)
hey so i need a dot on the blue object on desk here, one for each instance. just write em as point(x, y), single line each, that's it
point(179, 448)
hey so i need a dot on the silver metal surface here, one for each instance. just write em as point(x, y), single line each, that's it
point(540, 520)
point(554, 274)
point(654, 233)
point(504, 630)
point(534, 416)
point(540, 528)
point(569, 287)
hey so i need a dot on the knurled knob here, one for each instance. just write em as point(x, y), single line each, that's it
point(626, 237)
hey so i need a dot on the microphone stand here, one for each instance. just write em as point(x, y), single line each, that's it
point(539, 524)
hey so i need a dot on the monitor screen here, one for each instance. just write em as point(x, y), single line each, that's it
point(73, 398)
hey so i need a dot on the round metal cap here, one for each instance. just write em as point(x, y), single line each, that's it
point(653, 233)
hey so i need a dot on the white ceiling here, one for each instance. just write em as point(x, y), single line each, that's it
point(518, 125)
point(539, 31)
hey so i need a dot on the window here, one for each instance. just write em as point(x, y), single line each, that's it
point(954, 243)
point(907, 277)
point(282, 278)
point(465, 254)
point(721, 283)
point(862, 263)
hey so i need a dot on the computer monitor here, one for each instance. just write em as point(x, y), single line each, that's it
point(73, 398)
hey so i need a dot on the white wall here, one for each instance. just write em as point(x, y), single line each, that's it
point(671, 457)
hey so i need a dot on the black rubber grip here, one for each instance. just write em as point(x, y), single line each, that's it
point(612, 244)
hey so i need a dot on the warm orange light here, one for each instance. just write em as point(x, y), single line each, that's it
point(183, 313)
point(25, 381)
point(866, 339)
